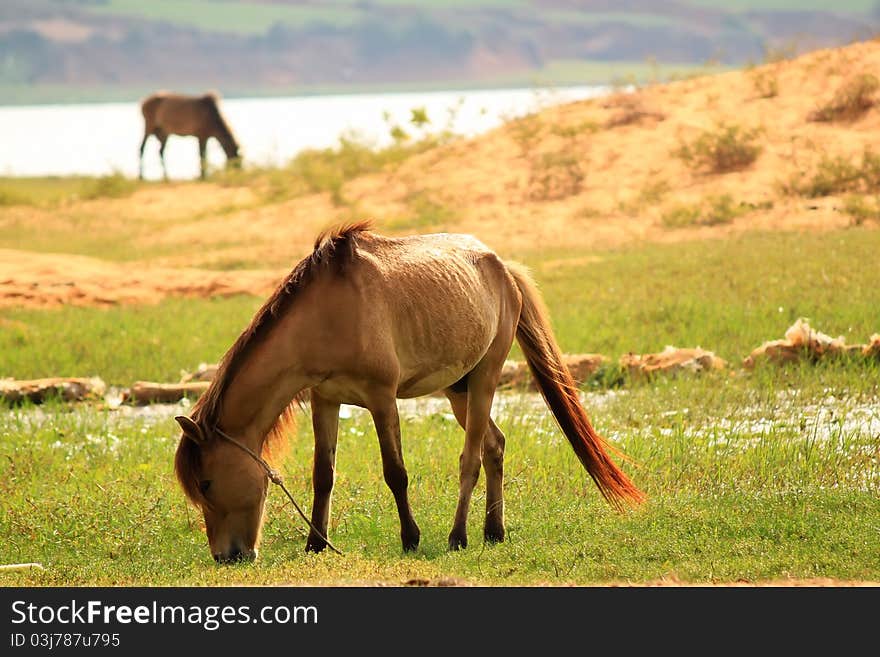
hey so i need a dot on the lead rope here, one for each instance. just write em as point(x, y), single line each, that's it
point(275, 478)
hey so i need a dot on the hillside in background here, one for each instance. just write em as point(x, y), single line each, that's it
point(119, 49)
point(788, 146)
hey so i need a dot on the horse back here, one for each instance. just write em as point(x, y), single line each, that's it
point(181, 114)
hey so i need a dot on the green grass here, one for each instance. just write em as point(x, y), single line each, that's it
point(727, 295)
point(121, 344)
point(226, 16)
point(743, 484)
point(51, 191)
point(764, 475)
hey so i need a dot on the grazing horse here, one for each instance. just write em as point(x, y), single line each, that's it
point(365, 320)
point(168, 114)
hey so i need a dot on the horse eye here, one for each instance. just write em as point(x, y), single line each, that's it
point(204, 485)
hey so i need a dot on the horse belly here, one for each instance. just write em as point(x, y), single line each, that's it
point(420, 385)
point(442, 353)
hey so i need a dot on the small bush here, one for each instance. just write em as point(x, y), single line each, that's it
point(425, 212)
point(113, 186)
point(855, 97)
point(729, 148)
point(526, 132)
point(8, 198)
point(835, 175)
point(859, 210)
point(766, 84)
point(556, 176)
point(651, 194)
point(713, 211)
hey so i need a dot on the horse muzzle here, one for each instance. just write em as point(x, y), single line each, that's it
point(235, 556)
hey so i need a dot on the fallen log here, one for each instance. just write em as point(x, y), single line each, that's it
point(672, 360)
point(516, 374)
point(801, 342)
point(39, 390)
point(148, 392)
point(205, 372)
point(21, 566)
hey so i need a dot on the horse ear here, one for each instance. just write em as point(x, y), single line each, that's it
point(190, 429)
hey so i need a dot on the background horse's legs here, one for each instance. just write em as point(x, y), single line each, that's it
point(163, 139)
point(325, 422)
point(141, 160)
point(493, 464)
point(387, 423)
point(203, 149)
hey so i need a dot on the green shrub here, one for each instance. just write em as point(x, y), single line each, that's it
point(855, 97)
point(728, 148)
point(555, 176)
point(835, 175)
point(766, 84)
point(712, 211)
point(859, 210)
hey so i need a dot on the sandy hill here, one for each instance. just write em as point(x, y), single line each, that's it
point(586, 175)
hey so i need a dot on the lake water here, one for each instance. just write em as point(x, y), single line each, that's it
point(103, 138)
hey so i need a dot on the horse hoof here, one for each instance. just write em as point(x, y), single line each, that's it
point(494, 535)
point(410, 540)
point(457, 543)
point(315, 545)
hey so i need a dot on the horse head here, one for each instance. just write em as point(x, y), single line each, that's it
point(227, 485)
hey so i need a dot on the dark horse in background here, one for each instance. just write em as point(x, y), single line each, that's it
point(168, 114)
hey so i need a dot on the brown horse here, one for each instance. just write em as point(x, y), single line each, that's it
point(168, 114)
point(365, 320)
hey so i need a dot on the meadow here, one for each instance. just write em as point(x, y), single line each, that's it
point(768, 475)
point(764, 475)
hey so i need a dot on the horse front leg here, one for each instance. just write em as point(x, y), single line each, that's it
point(141, 159)
point(387, 423)
point(325, 423)
point(203, 149)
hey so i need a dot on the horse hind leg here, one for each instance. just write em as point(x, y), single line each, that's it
point(325, 422)
point(163, 140)
point(492, 454)
point(387, 422)
point(481, 384)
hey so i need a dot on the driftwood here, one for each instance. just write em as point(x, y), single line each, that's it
point(21, 566)
point(39, 390)
point(516, 374)
point(672, 360)
point(801, 342)
point(872, 349)
point(205, 372)
point(147, 392)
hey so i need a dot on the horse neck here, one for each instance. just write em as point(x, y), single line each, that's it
point(224, 136)
point(264, 386)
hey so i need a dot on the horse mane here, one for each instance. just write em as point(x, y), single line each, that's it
point(333, 250)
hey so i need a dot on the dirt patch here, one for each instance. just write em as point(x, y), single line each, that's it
point(46, 280)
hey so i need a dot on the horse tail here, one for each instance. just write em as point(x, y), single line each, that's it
point(535, 337)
